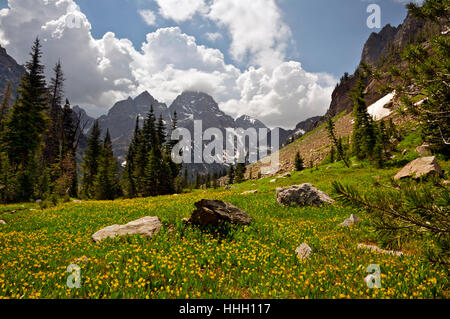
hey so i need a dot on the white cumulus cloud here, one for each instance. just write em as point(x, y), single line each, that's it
point(148, 16)
point(180, 10)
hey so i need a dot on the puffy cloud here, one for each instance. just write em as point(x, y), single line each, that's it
point(256, 27)
point(101, 71)
point(180, 10)
point(148, 16)
point(213, 36)
point(282, 97)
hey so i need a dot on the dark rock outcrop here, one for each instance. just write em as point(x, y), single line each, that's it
point(214, 212)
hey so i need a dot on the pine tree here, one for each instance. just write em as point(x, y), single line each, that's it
point(161, 131)
point(68, 149)
point(172, 143)
point(129, 176)
point(8, 180)
point(26, 125)
point(336, 142)
point(5, 106)
point(332, 155)
point(240, 173)
point(53, 138)
point(28, 120)
point(298, 162)
point(364, 137)
point(90, 161)
point(153, 174)
point(231, 175)
point(106, 183)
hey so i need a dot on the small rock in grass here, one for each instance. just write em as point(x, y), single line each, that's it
point(304, 251)
point(2, 222)
point(352, 220)
point(286, 175)
point(379, 250)
point(250, 192)
point(147, 226)
point(424, 150)
point(273, 180)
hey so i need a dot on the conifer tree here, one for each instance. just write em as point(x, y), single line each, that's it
point(28, 120)
point(231, 175)
point(106, 182)
point(161, 131)
point(129, 176)
point(364, 137)
point(26, 125)
point(298, 162)
point(240, 173)
point(336, 142)
point(90, 161)
point(5, 107)
point(53, 138)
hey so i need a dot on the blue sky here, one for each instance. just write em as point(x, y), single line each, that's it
point(275, 60)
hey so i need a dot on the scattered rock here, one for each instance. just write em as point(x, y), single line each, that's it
point(147, 226)
point(250, 192)
point(302, 195)
point(329, 167)
point(352, 220)
point(39, 201)
point(445, 183)
point(273, 180)
point(77, 201)
point(420, 167)
point(2, 222)
point(228, 187)
point(213, 212)
point(286, 175)
point(424, 150)
point(379, 250)
point(405, 152)
point(304, 251)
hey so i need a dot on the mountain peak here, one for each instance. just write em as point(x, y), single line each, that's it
point(246, 121)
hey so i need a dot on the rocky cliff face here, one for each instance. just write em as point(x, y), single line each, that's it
point(378, 46)
point(10, 71)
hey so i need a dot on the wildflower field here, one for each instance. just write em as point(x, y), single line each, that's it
point(258, 261)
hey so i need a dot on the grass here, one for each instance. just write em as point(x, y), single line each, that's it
point(257, 261)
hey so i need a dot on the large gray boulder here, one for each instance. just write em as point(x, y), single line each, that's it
point(147, 226)
point(420, 167)
point(213, 212)
point(302, 195)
